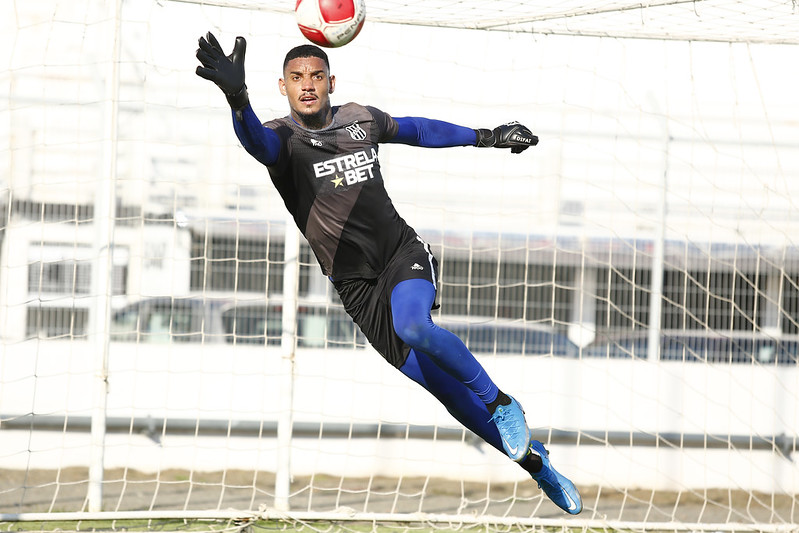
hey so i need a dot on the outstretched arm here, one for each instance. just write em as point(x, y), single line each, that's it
point(418, 131)
point(260, 142)
point(429, 133)
point(227, 72)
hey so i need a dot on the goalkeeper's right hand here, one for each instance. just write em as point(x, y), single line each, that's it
point(511, 135)
point(226, 71)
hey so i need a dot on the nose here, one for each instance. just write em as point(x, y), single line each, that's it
point(307, 84)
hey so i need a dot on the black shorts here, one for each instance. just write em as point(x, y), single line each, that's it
point(368, 301)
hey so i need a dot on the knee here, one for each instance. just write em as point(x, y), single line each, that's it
point(414, 331)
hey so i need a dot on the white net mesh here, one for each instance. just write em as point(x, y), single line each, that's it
point(754, 21)
point(662, 198)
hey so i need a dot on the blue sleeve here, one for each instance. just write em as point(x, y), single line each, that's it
point(260, 142)
point(429, 133)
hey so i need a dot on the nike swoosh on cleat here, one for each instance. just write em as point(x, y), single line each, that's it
point(572, 503)
point(511, 450)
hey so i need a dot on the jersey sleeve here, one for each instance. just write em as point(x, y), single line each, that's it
point(261, 142)
point(386, 124)
point(430, 133)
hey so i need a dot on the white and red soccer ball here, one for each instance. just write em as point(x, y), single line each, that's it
point(330, 23)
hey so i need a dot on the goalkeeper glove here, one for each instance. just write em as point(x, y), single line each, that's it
point(226, 71)
point(511, 135)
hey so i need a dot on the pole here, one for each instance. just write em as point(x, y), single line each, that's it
point(658, 252)
point(288, 343)
point(104, 202)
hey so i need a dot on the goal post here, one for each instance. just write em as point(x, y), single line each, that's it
point(633, 280)
point(104, 224)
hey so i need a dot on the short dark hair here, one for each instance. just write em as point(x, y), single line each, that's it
point(306, 50)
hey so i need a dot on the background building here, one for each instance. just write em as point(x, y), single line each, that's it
point(635, 275)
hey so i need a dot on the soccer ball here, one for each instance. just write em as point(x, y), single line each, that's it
point(330, 23)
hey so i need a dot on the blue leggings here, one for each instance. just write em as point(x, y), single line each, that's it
point(440, 362)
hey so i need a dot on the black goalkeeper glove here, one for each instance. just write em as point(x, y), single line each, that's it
point(226, 71)
point(511, 135)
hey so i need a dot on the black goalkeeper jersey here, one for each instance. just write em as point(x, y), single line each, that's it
point(331, 183)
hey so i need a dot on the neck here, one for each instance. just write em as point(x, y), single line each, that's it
point(316, 121)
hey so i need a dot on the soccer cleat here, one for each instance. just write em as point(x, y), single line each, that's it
point(560, 490)
point(513, 429)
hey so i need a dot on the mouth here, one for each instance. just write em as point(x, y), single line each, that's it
point(308, 99)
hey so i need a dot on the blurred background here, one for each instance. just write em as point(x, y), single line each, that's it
point(633, 279)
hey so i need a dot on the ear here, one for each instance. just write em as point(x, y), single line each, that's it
point(282, 86)
point(332, 84)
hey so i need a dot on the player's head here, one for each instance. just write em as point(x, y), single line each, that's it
point(306, 50)
point(307, 84)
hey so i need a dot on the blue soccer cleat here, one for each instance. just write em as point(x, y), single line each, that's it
point(559, 489)
point(512, 429)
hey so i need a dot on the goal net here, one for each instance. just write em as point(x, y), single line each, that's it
point(170, 349)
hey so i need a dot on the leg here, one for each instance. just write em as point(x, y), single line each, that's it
point(462, 403)
point(411, 300)
point(469, 410)
point(441, 363)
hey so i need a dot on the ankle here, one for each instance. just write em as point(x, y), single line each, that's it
point(501, 399)
point(532, 462)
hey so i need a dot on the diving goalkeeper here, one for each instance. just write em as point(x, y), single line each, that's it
point(323, 160)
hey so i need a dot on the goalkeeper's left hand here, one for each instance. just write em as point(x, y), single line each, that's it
point(511, 135)
point(226, 71)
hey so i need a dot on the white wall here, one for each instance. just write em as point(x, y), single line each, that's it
point(240, 384)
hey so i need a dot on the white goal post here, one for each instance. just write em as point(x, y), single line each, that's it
point(170, 349)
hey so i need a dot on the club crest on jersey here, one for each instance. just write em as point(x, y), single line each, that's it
point(356, 131)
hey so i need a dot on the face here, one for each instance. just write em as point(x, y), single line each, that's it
point(308, 85)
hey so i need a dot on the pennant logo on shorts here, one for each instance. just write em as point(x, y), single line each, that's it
point(356, 131)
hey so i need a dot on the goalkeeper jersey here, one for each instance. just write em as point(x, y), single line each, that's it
point(331, 183)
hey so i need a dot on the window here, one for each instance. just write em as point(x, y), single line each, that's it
point(252, 324)
point(173, 320)
point(221, 263)
point(622, 298)
point(56, 322)
point(713, 300)
point(59, 277)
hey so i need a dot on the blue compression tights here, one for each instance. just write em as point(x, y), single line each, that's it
point(440, 362)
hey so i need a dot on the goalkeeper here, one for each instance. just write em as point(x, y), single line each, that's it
point(323, 161)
